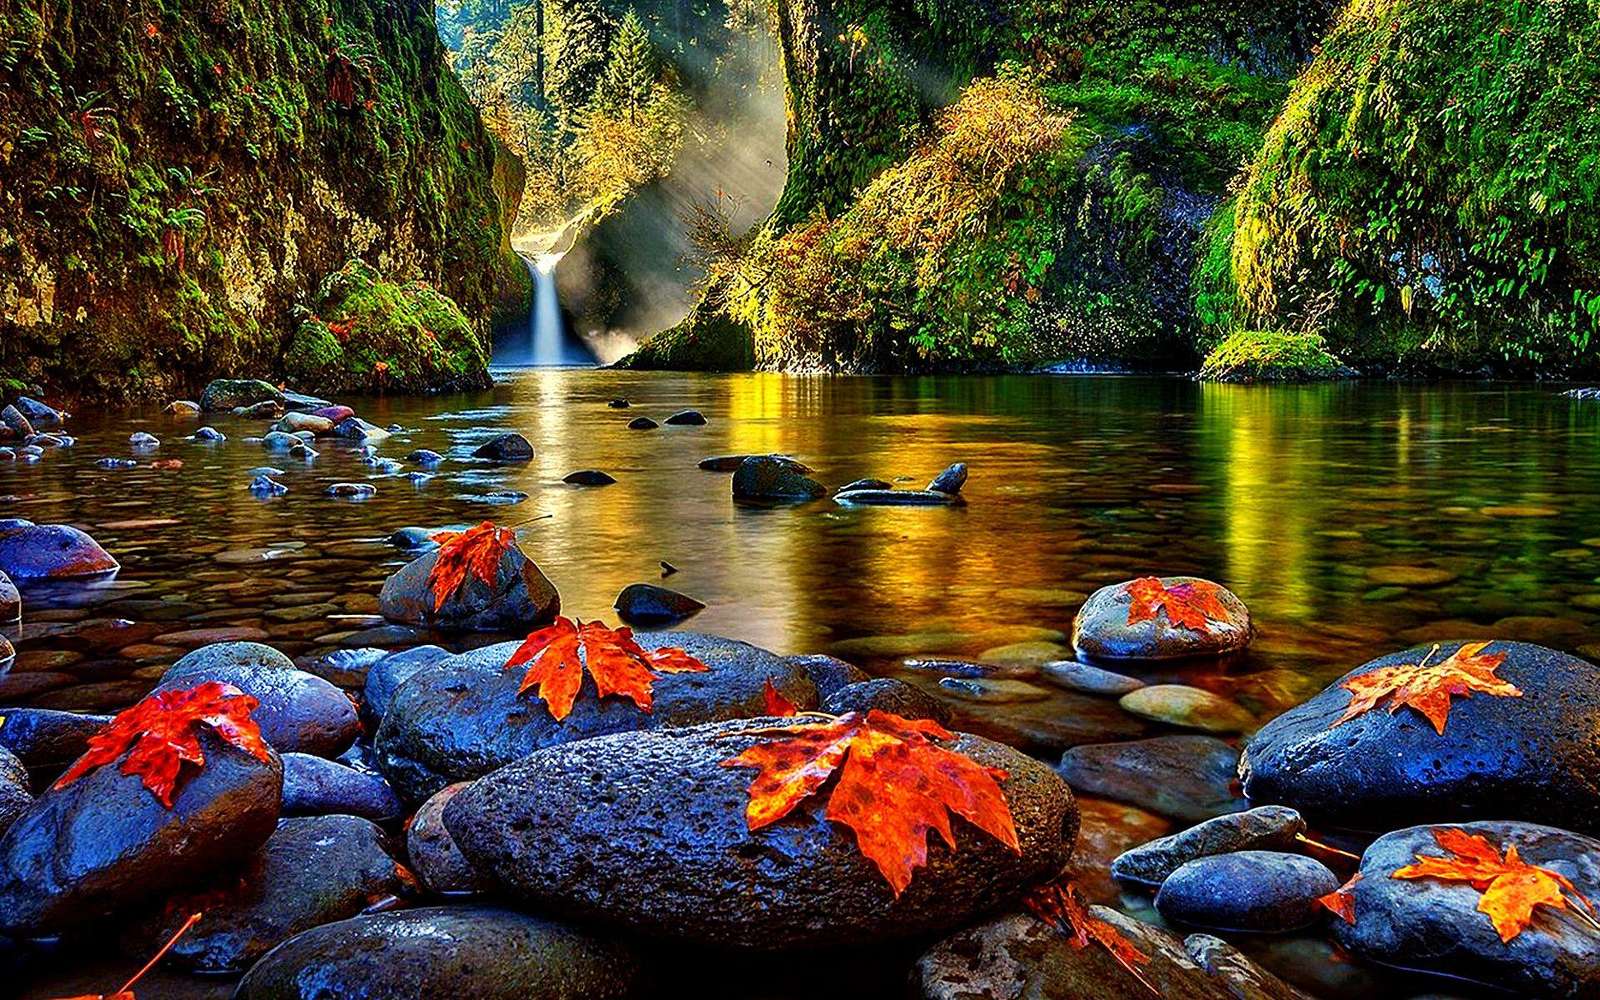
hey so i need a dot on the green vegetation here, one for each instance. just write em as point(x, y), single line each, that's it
point(1271, 356)
point(370, 334)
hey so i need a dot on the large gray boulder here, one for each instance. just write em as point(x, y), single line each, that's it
point(519, 599)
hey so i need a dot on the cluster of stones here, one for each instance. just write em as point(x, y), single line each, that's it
point(29, 429)
point(767, 480)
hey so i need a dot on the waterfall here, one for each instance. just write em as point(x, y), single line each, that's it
point(547, 341)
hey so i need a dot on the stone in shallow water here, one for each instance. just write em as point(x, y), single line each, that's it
point(311, 871)
point(352, 491)
point(1003, 691)
point(731, 463)
point(1244, 979)
point(315, 786)
point(52, 552)
point(897, 498)
point(425, 458)
point(434, 854)
point(671, 854)
point(950, 480)
point(588, 477)
point(1190, 707)
point(1532, 757)
point(765, 479)
point(888, 695)
point(1436, 927)
point(1409, 576)
point(1185, 777)
point(225, 394)
point(467, 952)
point(519, 599)
point(1253, 891)
point(1075, 676)
point(1266, 828)
point(647, 604)
point(298, 712)
point(642, 424)
point(687, 418)
point(1101, 630)
point(509, 447)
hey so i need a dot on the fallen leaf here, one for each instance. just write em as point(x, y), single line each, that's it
point(1428, 689)
point(1189, 605)
point(163, 731)
point(476, 551)
point(1341, 902)
point(126, 992)
point(1060, 905)
point(1511, 887)
point(617, 664)
point(895, 784)
point(167, 463)
point(777, 704)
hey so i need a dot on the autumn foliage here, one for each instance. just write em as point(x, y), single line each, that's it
point(162, 732)
point(1059, 905)
point(1341, 902)
point(776, 703)
point(1428, 689)
point(616, 662)
point(1511, 887)
point(476, 552)
point(1191, 605)
point(896, 783)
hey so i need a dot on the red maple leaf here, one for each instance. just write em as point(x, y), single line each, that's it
point(163, 731)
point(1191, 605)
point(1341, 902)
point(1428, 689)
point(777, 704)
point(895, 784)
point(476, 551)
point(618, 664)
point(1060, 905)
point(126, 992)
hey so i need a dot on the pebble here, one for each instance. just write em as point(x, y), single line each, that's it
point(1247, 891)
point(140, 439)
point(1075, 676)
point(352, 491)
point(1190, 707)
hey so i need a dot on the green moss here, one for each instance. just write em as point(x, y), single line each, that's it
point(1271, 356)
point(705, 341)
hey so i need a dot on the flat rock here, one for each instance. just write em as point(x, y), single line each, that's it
point(888, 695)
point(1265, 828)
point(299, 712)
point(1101, 630)
point(649, 605)
point(671, 855)
point(464, 952)
point(1247, 891)
point(1190, 707)
point(519, 599)
point(1532, 757)
point(463, 717)
point(763, 479)
point(52, 552)
point(434, 854)
point(897, 498)
point(316, 786)
point(509, 447)
point(1435, 926)
point(1186, 777)
point(311, 871)
point(1075, 676)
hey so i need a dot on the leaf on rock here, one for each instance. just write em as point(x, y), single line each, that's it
point(895, 784)
point(476, 551)
point(1428, 689)
point(163, 731)
point(1511, 887)
point(617, 664)
point(777, 704)
point(1341, 902)
point(126, 993)
point(1060, 905)
point(1193, 605)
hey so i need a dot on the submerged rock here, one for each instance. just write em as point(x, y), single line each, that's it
point(764, 479)
point(266, 486)
point(425, 458)
point(52, 552)
point(671, 854)
point(434, 854)
point(299, 712)
point(1531, 756)
point(588, 477)
point(105, 842)
point(352, 491)
point(650, 605)
point(518, 600)
point(1435, 926)
point(687, 418)
point(466, 952)
point(510, 447)
point(898, 498)
point(464, 717)
point(1102, 631)
point(1266, 828)
point(315, 786)
point(1075, 676)
point(310, 872)
point(1251, 891)
point(1190, 707)
point(1185, 777)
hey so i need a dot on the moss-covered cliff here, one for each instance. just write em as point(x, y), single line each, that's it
point(177, 176)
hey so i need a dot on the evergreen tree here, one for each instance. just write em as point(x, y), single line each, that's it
point(579, 36)
point(631, 70)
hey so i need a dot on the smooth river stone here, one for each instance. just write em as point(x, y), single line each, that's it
point(433, 852)
point(887, 695)
point(1436, 926)
point(298, 712)
point(764, 479)
point(1101, 630)
point(1265, 828)
point(519, 599)
point(1185, 777)
point(1190, 707)
point(52, 552)
point(1249, 891)
point(670, 853)
point(1075, 676)
point(1533, 757)
point(648, 605)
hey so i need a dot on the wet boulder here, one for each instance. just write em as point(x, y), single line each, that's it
point(52, 552)
point(294, 422)
point(47, 740)
point(15, 797)
point(475, 952)
point(731, 463)
point(360, 431)
point(10, 600)
point(337, 414)
point(388, 673)
point(15, 424)
point(887, 695)
point(299, 712)
point(950, 480)
point(671, 855)
point(1531, 756)
point(105, 842)
point(1435, 926)
point(1247, 891)
point(39, 414)
point(1185, 777)
point(316, 786)
point(519, 599)
point(588, 477)
point(1102, 630)
point(311, 871)
point(1266, 828)
point(434, 854)
point(764, 479)
point(225, 394)
point(687, 418)
point(829, 673)
point(463, 717)
point(510, 447)
point(649, 605)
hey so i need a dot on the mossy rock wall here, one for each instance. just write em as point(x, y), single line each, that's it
point(176, 176)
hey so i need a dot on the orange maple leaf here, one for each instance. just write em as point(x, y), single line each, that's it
point(163, 731)
point(1428, 689)
point(476, 551)
point(1511, 887)
point(617, 663)
point(126, 992)
point(777, 704)
point(1060, 905)
point(1341, 902)
point(1189, 605)
point(896, 784)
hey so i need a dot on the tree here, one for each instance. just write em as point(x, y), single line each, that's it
point(581, 37)
point(631, 70)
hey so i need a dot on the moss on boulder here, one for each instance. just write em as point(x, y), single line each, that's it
point(1272, 356)
point(371, 334)
point(706, 341)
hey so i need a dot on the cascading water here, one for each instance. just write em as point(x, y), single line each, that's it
point(547, 341)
